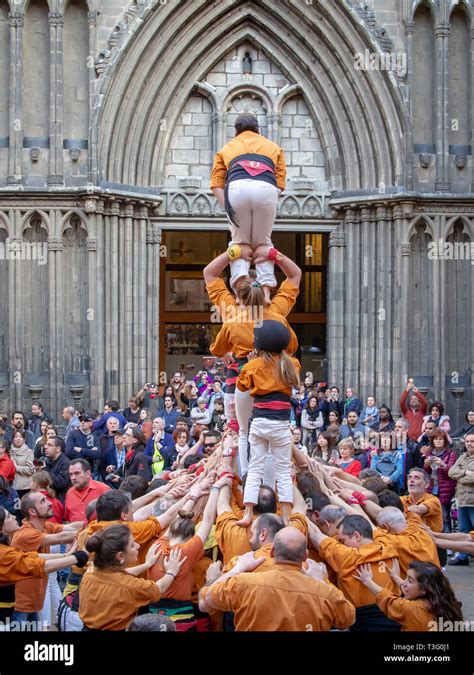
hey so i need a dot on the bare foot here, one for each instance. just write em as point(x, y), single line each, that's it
point(246, 519)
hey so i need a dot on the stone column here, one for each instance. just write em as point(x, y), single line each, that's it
point(274, 126)
point(92, 318)
point(472, 103)
point(409, 29)
point(153, 241)
point(367, 306)
point(221, 122)
point(98, 332)
point(56, 83)
point(401, 305)
point(112, 338)
point(56, 321)
point(437, 293)
point(17, 23)
point(94, 132)
point(383, 305)
point(352, 292)
point(140, 313)
point(336, 306)
point(130, 293)
point(14, 348)
point(441, 32)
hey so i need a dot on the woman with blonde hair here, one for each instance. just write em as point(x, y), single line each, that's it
point(346, 459)
point(269, 378)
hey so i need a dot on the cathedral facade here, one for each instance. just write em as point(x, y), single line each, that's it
point(110, 114)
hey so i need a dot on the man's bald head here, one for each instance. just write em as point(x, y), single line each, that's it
point(289, 545)
point(264, 528)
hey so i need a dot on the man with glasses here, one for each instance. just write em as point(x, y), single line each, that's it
point(211, 440)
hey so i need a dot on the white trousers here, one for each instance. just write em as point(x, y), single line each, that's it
point(51, 601)
point(229, 407)
point(265, 433)
point(243, 410)
point(254, 203)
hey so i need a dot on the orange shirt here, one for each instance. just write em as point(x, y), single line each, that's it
point(434, 518)
point(248, 142)
point(345, 561)
point(263, 552)
point(411, 544)
point(199, 576)
point(314, 555)
point(236, 335)
point(259, 376)
point(109, 600)
point(144, 532)
point(16, 565)
point(233, 540)
point(281, 599)
point(30, 593)
point(413, 615)
point(182, 586)
point(77, 500)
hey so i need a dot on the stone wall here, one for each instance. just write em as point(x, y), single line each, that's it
point(102, 106)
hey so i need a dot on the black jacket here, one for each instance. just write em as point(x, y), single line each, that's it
point(137, 465)
point(87, 443)
point(59, 472)
point(329, 406)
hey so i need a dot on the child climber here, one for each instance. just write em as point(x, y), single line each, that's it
point(270, 377)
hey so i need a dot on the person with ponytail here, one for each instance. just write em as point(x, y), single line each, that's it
point(240, 315)
point(16, 565)
point(428, 596)
point(183, 535)
point(270, 378)
point(111, 595)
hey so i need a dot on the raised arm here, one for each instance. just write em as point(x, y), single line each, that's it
point(209, 515)
point(315, 534)
point(289, 268)
point(215, 268)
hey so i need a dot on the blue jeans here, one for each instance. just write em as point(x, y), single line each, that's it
point(22, 617)
point(466, 524)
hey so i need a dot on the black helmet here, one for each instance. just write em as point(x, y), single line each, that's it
point(271, 336)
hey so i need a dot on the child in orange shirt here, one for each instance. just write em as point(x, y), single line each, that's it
point(428, 596)
point(270, 378)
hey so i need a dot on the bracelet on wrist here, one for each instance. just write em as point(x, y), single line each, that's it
point(234, 252)
point(273, 254)
point(171, 574)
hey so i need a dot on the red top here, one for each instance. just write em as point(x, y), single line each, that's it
point(353, 468)
point(414, 419)
point(58, 508)
point(77, 500)
point(7, 468)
